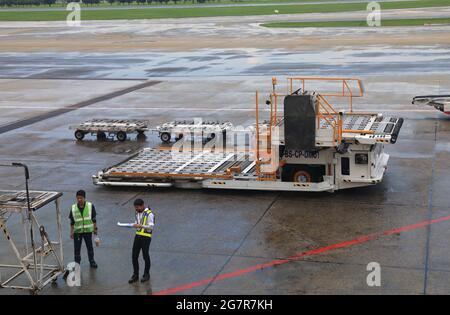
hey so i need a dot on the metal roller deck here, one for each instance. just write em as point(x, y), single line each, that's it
point(119, 128)
point(41, 262)
point(164, 164)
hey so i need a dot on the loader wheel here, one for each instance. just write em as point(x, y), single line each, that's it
point(66, 274)
point(79, 135)
point(121, 136)
point(301, 177)
point(165, 137)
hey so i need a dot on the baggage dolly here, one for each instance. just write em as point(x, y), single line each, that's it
point(110, 128)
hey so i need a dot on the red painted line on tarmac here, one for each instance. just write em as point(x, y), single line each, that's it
point(345, 244)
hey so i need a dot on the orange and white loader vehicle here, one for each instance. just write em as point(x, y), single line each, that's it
point(300, 142)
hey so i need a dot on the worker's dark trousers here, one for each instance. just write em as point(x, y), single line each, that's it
point(141, 243)
point(78, 239)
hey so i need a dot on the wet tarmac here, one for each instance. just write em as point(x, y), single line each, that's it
point(212, 233)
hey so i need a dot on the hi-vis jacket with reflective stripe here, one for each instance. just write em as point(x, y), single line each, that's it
point(145, 221)
point(83, 219)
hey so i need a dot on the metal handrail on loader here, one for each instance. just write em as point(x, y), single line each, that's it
point(325, 111)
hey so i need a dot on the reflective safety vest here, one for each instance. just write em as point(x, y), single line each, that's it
point(83, 219)
point(145, 232)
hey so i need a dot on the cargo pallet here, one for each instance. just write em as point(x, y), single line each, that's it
point(41, 261)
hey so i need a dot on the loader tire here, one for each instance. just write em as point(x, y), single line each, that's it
point(101, 136)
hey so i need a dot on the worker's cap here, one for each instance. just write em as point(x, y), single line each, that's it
point(139, 202)
point(81, 193)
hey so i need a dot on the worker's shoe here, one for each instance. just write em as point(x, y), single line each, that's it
point(145, 277)
point(94, 265)
point(133, 279)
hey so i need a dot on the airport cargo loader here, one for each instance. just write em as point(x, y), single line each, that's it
point(110, 128)
point(303, 144)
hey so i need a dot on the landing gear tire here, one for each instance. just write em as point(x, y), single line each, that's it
point(165, 137)
point(79, 135)
point(179, 137)
point(141, 135)
point(121, 136)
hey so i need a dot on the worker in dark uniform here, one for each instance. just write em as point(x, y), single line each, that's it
point(145, 221)
point(83, 223)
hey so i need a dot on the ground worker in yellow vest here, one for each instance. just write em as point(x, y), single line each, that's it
point(82, 224)
point(145, 221)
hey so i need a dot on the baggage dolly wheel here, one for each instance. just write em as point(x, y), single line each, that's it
point(121, 136)
point(79, 135)
point(101, 136)
point(165, 137)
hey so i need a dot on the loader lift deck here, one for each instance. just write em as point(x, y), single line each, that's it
point(110, 128)
point(440, 102)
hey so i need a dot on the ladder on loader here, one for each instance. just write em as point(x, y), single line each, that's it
point(263, 165)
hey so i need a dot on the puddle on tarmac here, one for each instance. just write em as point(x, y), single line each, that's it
point(372, 60)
